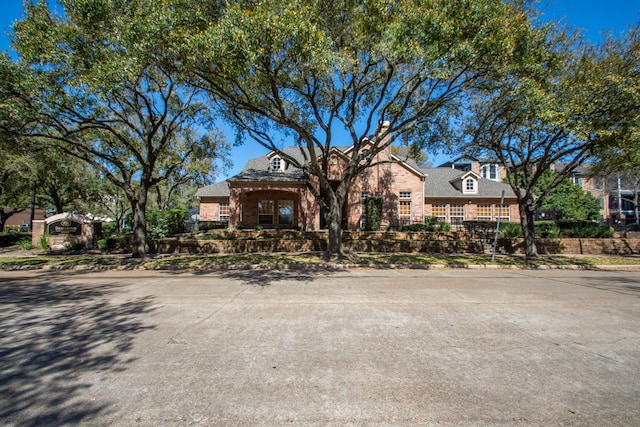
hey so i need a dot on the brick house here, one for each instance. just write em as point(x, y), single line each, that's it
point(271, 193)
point(22, 218)
point(616, 193)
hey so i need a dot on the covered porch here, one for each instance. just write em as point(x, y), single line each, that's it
point(271, 207)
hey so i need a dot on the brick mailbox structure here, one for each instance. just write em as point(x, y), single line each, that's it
point(65, 229)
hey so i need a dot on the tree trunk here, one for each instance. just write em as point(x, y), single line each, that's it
point(139, 225)
point(3, 219)
point(334, 221)
point(527, 216)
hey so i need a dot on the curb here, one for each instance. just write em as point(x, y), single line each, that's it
point(320, 267)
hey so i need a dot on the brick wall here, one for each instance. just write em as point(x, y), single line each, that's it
point(435, 243)
point(210, 208)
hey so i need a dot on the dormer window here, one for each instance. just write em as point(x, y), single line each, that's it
point(466, 183)
point(276, 164)
point(470, 185)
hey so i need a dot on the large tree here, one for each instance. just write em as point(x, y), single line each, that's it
point(554, 104)
point(64, 183)
point(351, 72)
point(102, 92)
point(620, 158)
point(15, 158)
point(178, 190)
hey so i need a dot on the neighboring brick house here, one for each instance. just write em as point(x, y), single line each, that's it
point(455, 196)
point(272, 193)
point(23, 218)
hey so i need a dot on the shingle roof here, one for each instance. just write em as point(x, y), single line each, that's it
point(220, 189)
point(257, 169)
point(438, 183)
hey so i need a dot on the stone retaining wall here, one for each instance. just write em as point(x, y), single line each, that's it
point(615, 246)
point(388, 242)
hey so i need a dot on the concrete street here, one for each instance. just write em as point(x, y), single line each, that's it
point(304, 347)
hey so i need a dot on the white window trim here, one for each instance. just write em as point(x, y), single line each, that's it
point(280, 162)
point(464, 185)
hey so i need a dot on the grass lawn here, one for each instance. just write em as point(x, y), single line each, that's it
point(201, 262)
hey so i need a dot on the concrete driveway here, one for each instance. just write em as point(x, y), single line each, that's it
point(298, 347)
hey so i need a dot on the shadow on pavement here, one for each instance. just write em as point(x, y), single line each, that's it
point(617, 284)
point(268, 277)
point(52, 334)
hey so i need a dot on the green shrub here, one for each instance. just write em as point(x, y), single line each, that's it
point(109, 228)
point(258, 227)
point(43, 243)
point(445, 227)
point(417, 227)
point(553, 232)
point(548, 229)
point(107, 245)
point(12, 238)
point(25, 244)
point(162, 224)
point(373, 209)
point(584, 229)
point(511, 230)
point(74, 246)
point(212, 225)
point(124, 242)
point(431, 220)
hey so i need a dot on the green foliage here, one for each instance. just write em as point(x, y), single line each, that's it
point(162, 224)
point(445, 227)
point(619, 123)
point(107, 245)
point(511, 230)
point(10, 238)
point(74, 246)
point(559, 229)
point(43, 243)
point(548, 229)
point(65, 183)
point(212, 225)
point(553, 104)
point(373, 209)
point(109, 228)
point(584, 229)
point(25, 244)
point(417, 227)
point(431, 220)
point(571, 199)
point(103, 91)
point(116, 242)
point(125, 242)
point(323, 71)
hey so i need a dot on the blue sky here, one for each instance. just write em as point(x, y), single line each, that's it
point(593, 17)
